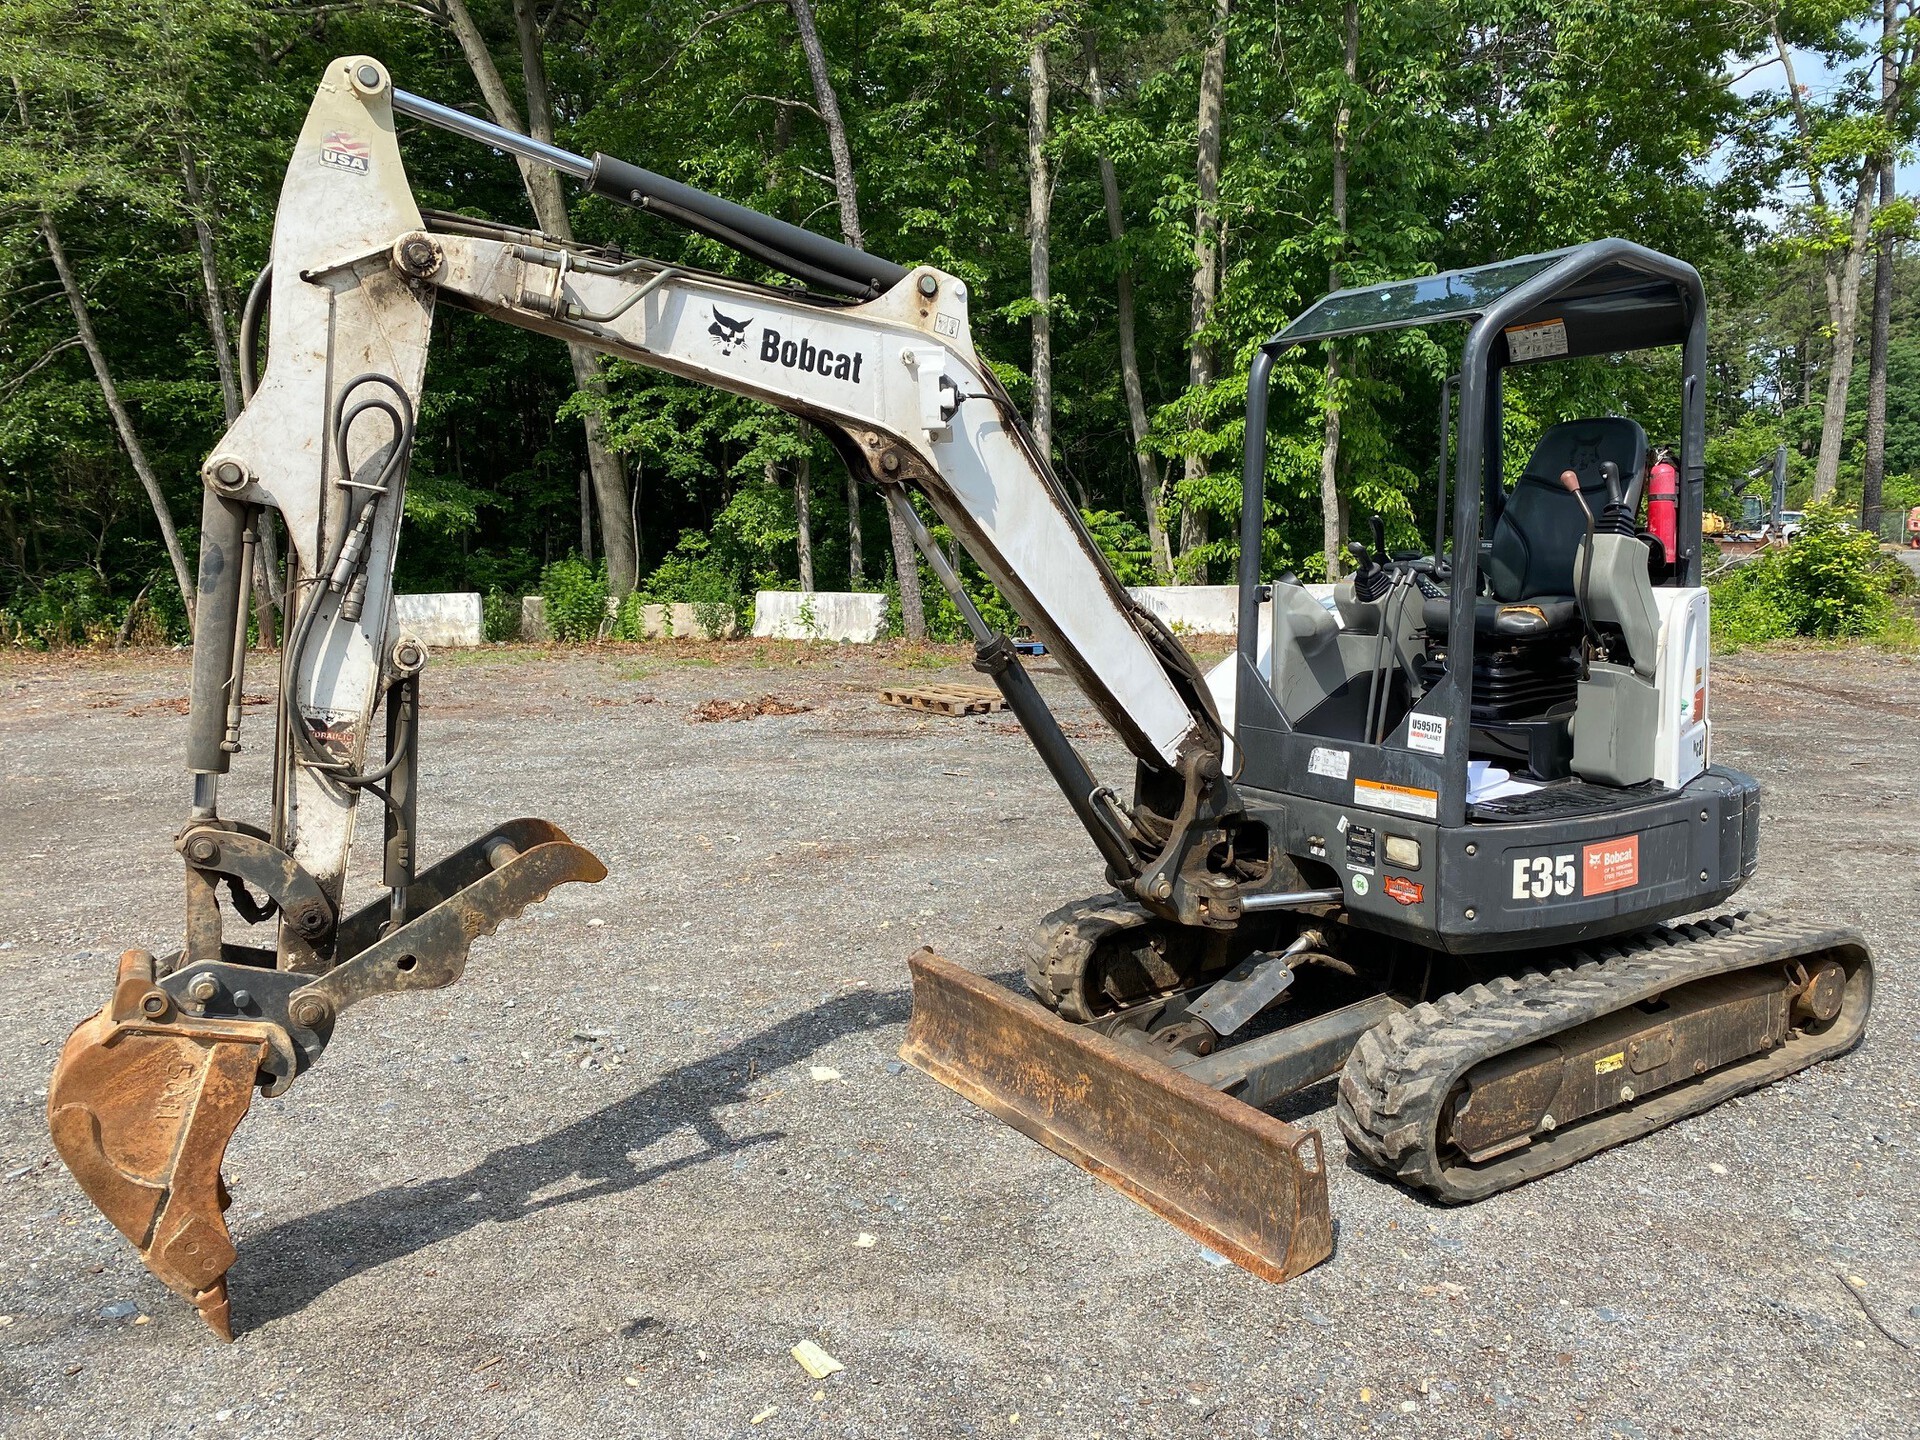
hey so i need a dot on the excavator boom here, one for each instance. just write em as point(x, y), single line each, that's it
point(147, 1094)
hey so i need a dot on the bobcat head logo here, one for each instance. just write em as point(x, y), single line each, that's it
point(728, 333)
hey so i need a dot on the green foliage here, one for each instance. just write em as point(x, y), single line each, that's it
point(69, 609)
point(1474, 131)
point(499, 616)
point(1830, 583)
point(1123, 543)
point(576, 596)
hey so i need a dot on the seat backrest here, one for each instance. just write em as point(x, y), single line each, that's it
point(1540, 530)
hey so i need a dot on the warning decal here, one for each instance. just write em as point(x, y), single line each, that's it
point(1401, 799)
point(1536, 342)
point(1610, 865)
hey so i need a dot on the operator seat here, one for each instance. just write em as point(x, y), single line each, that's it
point(1529, 564)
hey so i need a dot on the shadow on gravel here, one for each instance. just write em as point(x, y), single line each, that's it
point(282, 1271)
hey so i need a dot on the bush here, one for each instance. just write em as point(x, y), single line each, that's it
point(1831, 582)
point(499, 616)
point(690, 575)
point(576, 596)
point(68, 609)
point(1123, 543)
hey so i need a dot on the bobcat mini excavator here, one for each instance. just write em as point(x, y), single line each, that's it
point(1426, 832)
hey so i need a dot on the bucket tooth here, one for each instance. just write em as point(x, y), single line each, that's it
point(1250, 1186)
point(141, 1106)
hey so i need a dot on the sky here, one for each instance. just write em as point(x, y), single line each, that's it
point(1820, 79)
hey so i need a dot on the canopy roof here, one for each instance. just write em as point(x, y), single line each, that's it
point(1606, 296)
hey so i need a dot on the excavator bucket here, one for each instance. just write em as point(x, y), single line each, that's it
point(148, 1092)
point(1247, 1185)
point(141, 1106)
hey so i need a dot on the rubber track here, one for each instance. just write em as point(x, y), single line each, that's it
point(1402, 1073)
point(1063, 943)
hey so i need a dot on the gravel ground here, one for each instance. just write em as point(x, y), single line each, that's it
point(657, 1135)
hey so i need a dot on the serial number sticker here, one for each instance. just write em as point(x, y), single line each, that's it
point(1541, 341)
point(1400, 799)
point(1330, 763)
point(1609, 865)
point(1607, 1064)
point(1427, 733)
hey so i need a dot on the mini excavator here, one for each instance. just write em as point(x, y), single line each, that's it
point(1431, 830)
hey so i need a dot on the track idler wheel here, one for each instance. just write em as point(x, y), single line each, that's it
point(141, 1107)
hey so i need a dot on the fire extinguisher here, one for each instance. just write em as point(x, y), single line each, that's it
point(1663, 502)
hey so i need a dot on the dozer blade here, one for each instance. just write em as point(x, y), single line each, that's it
point(141, 1107)
point(1251, 1187)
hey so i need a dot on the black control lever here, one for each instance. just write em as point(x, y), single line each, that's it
point(1371, 579)
point(1617, 519)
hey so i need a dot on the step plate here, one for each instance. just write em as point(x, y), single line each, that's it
point(1247, 1185)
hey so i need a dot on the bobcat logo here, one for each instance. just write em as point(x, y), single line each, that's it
point(728, 333)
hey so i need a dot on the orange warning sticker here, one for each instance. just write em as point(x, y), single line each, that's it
point(1403, 890)
point(1401, 799)
point(1610, 865)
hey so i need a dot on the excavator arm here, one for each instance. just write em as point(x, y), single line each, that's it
point(148, 1092)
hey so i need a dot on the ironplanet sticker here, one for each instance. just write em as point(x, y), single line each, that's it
point(1401, 799)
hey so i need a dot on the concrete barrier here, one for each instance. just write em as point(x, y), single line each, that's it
point(1192, 609)
point(533, 620)
point(842, 615)
point(682, 622)
point(440, 622)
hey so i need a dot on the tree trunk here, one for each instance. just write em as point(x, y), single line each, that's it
point(265, 598)
point(1143, 459)
point(1206, 272)
point(856, 563)
point(550, 213)
point(827, 102)
point(122, 421)
point(586, 517)
point(1874, 468)
point(906, 568)
point(1331, 527)
point(216, 307)
point(1039, 237)
point(1845, 295)
point(803, 513)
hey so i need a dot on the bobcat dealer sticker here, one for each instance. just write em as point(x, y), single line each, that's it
point(1610, 865)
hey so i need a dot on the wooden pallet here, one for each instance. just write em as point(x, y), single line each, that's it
point(946, 699)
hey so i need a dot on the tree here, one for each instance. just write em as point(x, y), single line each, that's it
point(1845, 142)
point(1873, 466)
point(1148, 467)
point(1331, 527)
point(906, 564)
point(1206, 270)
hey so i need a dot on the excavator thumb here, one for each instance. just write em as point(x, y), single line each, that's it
point(148, 1092)
point(141, 1106)
point(1250, 1186)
